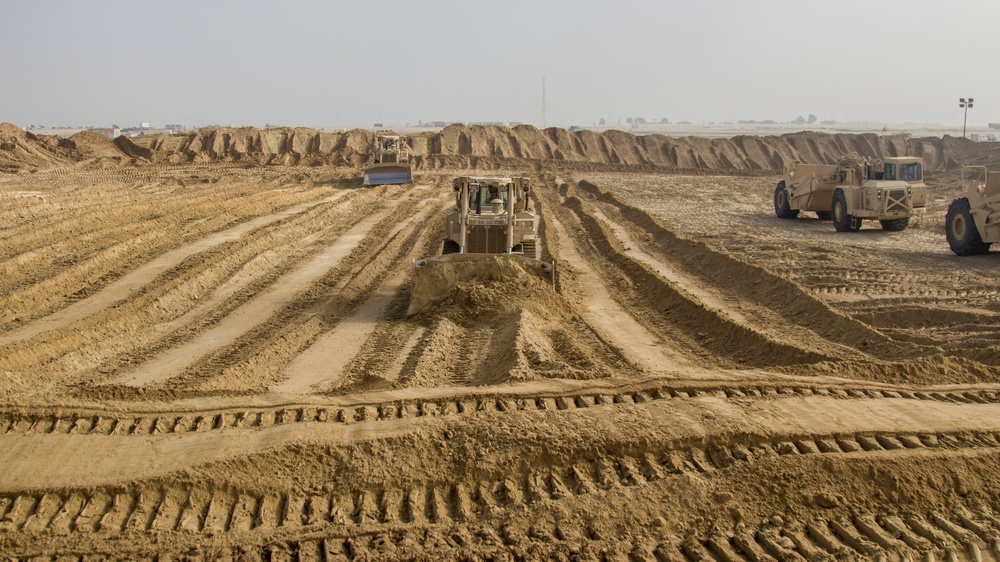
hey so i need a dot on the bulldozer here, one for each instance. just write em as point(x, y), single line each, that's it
point(891, 191)
point(973, 220)
point(492, 228)
point(391, 164)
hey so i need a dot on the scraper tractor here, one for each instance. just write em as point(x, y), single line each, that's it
point(391, 165)
point(890, 191)
point(973, 220)
point(492, 229)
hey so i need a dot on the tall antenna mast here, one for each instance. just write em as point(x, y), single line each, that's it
point(543, 102)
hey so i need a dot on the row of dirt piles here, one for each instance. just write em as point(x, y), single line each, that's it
point(484, 146)
point(24, 151)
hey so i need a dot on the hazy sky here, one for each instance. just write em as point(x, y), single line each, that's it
point(352, 63)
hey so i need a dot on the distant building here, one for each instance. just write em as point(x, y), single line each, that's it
point(175, 127)
point(111, 133)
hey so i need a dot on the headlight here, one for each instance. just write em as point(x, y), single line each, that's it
point(878, 193)
point(909, 193)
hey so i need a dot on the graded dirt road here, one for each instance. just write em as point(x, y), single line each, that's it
point(209, 361)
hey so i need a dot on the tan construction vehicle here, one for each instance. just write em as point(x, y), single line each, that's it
point(392, 162)
point(973, 220)
point(890, 191)
point(493, 219)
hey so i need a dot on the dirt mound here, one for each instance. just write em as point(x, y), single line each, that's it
point(743, 154)
point(460, 146)
point(507, 322)
point(283, 146)
point(925, 370)
point(94, 147)
point(442, 279)
point(21, 150)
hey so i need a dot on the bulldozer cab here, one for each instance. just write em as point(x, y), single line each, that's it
point(390, 144)
point(492, 195)
point(389, 149)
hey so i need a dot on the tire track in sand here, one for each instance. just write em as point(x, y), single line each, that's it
point(130, 284)
point(352, 510)
point(326, 359)
point(743, 313)
point(253, 313)
point(610, 319)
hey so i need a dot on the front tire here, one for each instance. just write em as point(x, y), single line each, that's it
point(843, 221)
point(960, 229)
point(895, 225)
point(781, 206)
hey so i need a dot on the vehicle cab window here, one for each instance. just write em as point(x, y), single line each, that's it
point(910, 172)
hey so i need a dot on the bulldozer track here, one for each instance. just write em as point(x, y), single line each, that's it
point(349, 516)
point(138, 424)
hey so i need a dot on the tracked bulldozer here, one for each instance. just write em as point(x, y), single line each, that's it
point(854, 189)
point(391, 164)
point(973, 220)
point(491, 232)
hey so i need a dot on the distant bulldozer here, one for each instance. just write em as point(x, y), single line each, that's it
point(493, 218)
point(391, 164)
point(973, 220)
point(890, 191)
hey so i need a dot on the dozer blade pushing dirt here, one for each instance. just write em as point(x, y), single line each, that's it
point(436, 277)
point(391, 164)
point(388, 174)
point(490, 236)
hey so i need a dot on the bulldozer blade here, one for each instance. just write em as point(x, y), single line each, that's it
point(435, 277)
point(388, 174)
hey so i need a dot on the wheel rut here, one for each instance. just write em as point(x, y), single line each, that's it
point(352, 519)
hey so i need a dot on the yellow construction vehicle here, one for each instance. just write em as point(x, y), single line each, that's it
point(493, 220)
point(890, 191)
point(391, 164)
point(973, 220)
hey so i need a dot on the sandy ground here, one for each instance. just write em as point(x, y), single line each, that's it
point(203, 361)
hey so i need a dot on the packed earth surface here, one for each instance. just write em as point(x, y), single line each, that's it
point(205, 354)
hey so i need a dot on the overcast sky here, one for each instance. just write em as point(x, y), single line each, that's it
point(329, 63)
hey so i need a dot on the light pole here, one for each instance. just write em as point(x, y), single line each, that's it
point(966, 105)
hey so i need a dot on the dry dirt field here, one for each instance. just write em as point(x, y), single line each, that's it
point(212, 361)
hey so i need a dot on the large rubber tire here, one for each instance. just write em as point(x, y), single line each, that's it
point(842, 221)
point(824, 215)
point(781, 206)
point(895, 225)
point(961, 231)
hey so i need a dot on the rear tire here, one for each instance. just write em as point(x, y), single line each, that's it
point(824, 215)
point(960, 229)
point(895, 225)
point(781, 206)
point(843, 221)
